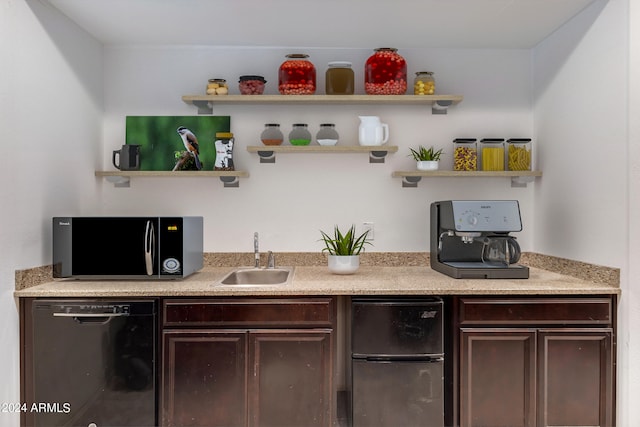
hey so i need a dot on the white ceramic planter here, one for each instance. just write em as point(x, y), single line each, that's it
point(343, 264)
point(427, 165)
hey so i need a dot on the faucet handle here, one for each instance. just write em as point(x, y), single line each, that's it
point(271, 260)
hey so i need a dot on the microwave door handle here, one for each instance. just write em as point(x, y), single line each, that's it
point(149, 247)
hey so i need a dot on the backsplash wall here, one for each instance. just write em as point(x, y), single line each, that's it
point(288, 202)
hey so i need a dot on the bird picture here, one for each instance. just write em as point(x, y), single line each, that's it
point(190, 142)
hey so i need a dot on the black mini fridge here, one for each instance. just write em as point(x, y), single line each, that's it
point(397, 362)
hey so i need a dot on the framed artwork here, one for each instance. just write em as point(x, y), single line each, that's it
point(166, 141)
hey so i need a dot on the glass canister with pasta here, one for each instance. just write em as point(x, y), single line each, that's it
point(492, 154)
point(519, 154)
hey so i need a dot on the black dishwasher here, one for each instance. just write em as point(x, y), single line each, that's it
point(397, 362)
point(92, 364)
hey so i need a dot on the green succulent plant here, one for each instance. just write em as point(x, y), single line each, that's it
point(344, 243)
point(422, 154)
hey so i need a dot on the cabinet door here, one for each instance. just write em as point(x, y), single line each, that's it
point(575, 385)
point(204, 378)
point(290, 378)
point(497, 377)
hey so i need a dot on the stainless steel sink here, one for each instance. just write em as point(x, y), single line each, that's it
point(258, 277)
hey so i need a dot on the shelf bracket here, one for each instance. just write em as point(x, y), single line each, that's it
point(377, 156)
point(119, 181)
point(440, 107)
point(521, 181)
point(267, 156)
point(230, 181)
point(410, 181)
point(204, 107)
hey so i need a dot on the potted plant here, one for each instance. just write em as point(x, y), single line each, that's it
point(344, 249)
point(427, 158)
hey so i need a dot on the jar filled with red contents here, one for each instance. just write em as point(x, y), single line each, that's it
point(385, 73)
point(297, 75)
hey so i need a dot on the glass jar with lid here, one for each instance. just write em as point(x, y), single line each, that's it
point(217, 87)
point(300, 135)
point(465, 154)
point(492, 154)
point(251, 85)
point(385, 73)
point(297, 75)
point(424, 83)
point(339, 78)
point(519, 154)
point(271, 135)
point(327, 135)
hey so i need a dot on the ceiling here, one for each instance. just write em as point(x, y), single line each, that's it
point(323, 23)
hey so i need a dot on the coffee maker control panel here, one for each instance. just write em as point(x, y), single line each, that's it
point(486, 215)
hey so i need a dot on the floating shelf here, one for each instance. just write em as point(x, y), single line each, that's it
point(518, 178)
point(123, 178)
point(439, 103)
point(267, 153)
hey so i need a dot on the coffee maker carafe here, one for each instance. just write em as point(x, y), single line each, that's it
point(470, 239)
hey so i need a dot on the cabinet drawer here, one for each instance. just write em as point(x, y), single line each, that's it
point(536, 311)
point(254, 312)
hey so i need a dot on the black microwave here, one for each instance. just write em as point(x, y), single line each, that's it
point(152, 248)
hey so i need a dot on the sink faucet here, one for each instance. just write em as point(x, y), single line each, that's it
point(256, 251)
point(271, 259)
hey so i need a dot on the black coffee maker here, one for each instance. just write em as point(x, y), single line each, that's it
point(470, 239)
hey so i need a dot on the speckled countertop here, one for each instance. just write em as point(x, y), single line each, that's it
point(379, 274)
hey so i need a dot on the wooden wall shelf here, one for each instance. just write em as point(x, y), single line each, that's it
point(518, 178)
point(123, 178)
point(439, 103)
point(376, 153)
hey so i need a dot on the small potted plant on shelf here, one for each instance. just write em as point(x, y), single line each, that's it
point(344, 249)
point(427, 158)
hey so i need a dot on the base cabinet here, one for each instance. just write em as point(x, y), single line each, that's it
point(273, 368)
point(536, 376)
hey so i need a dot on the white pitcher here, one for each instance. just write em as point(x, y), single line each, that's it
point(372, 131)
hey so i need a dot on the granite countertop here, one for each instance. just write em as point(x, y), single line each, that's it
point(317, 280)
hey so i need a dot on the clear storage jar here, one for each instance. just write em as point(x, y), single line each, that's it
point(297, 75)
point(424, 83)
point(217, 87)
point(519, 154)
point(300, 135)
point(224, 151)
point(385, 73)
point(271, 135)
point(251, 85)
point(339, 78)
point(465, 154)
point(492, 154)
point(327, 135)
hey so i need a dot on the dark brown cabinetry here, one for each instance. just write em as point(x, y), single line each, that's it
point(247, 362)
point(536, 362)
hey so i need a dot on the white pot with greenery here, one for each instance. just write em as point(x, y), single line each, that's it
point(427, 159)
point(344, 250)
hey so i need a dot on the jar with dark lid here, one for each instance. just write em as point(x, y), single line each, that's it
point(217, 87)
point(327, 135)
point(424, 83)
point(271, 135)
point(465, 154)
point(339, 78)
point(251, 85)
point(224, 151)
point(385, 73)
point(492, 154)
point(297, 75)
point(300, 135)
point(519, 154)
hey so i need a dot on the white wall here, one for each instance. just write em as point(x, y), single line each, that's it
point(290, 201)
point(50, 114)
point(587, 201)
